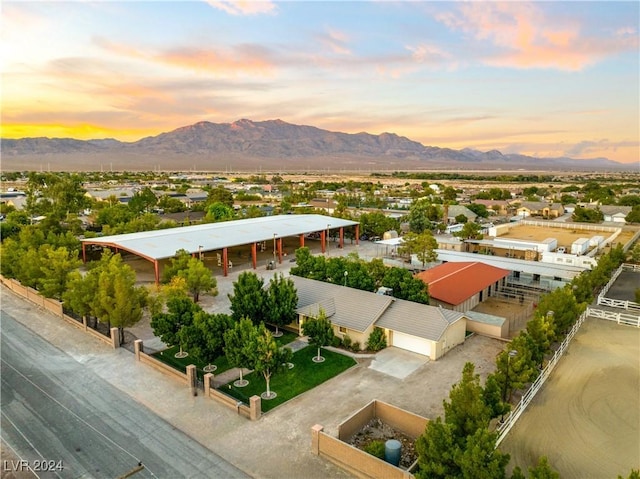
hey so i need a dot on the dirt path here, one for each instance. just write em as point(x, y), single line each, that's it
point(586, 419)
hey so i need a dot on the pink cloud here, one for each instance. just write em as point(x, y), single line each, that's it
point(242, 59)
point(525, 36)
point(244, 7)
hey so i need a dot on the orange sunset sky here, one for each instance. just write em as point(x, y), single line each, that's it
point(544, 79)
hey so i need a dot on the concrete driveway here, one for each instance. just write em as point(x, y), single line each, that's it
point(397, 362)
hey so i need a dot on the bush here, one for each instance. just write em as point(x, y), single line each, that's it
point(346, 341)
point(377, 340)
point(335, 342)
point(355, 346)
point(375, 448)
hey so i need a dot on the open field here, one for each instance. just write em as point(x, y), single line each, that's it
point(586, 419)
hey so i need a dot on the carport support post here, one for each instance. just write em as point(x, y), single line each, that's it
point(84, 253)
point(301, 241)
point(254, 254)
point(156, 269)
point(357, 235)
point(225, 261)
point(341, 237)
point(322, 239)
point(280, 250)
point(191, 379)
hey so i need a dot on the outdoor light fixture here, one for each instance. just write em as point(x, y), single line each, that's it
point(512, 354)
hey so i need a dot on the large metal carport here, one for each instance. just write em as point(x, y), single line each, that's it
point(157, 245)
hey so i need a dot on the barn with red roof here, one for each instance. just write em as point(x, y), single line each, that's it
point(461, 286)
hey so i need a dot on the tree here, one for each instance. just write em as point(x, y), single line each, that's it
point(268, 358)
point(543, 470)
point(461, 218)
point(56, 266)
point(480, 459)
point(176, 264)
point(309, 266)
point(204, 338)
point(180, 313)
point(466, 412)
point(281, 302)
point(634, 215)
point(479, 209)
point(238, 344)
point(376, 224)
point(421, 214)
point(248, 298)
point(541, 330)
point(405, 286)
point(437, 451)
point(470, 230)
point(320, 332)
point(565, 307)
point(198, 278)
point(377, 340)
point(118, 301)
point(587, 215)
point(492, 397)
point(423, 245)
point(143, 201)
point(220, 195)
point(217, 212)
point(516, 370)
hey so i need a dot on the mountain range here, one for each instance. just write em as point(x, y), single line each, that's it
point(272, 145)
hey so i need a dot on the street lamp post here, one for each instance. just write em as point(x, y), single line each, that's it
point(200, 252)
point(346, 273)
point(513, 353)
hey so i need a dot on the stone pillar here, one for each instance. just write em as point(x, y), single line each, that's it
point(138, 347)
point(115, 338)
point(255, 407)
point(315, 439)
point(191, 379)
point(208, 381)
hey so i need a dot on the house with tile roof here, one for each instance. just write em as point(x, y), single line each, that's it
point(424, 329)
point(460, 286)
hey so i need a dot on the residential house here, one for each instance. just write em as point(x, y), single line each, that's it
point(420, 328)
point(539, 208)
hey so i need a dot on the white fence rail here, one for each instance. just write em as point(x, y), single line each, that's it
point(618, 303)
point(504, 428)
point(620, 318)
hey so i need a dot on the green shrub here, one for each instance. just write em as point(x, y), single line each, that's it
point(346, 341)
point(355, 346)
point(377, 340)
point(375, 448)
point(335, 342)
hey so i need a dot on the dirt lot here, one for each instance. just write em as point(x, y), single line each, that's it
point(565, 236)
point(586, 419)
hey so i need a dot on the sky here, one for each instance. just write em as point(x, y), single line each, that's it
point(540, 78)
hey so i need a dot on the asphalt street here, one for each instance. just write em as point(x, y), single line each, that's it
point(55, 409)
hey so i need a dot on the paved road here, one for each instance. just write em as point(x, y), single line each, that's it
point(53, 408)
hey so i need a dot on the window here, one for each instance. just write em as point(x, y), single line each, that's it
point(343, 330)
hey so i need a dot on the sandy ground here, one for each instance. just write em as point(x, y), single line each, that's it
point(586, 419)
point(565, 236)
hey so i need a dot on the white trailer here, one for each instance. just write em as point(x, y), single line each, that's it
point(580, 246)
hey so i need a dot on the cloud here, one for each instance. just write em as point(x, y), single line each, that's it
point(239, 59)
point(244, 7)
point(524, 35)
point(336, 41)
point(588, 148)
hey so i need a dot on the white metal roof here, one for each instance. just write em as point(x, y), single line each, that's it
point(160, 244)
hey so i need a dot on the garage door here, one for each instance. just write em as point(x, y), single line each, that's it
point(411, 343)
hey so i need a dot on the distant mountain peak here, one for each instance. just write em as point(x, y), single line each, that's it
point(271, 143)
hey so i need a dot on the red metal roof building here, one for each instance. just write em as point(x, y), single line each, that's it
point(461, 286)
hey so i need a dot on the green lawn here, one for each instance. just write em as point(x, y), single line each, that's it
point(168, 357)
point(289, 383)
point(286, 338)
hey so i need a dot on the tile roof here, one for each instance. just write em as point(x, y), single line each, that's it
point(429, 322)
point(347, 307)
point(356, 309)
point(454, 282)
